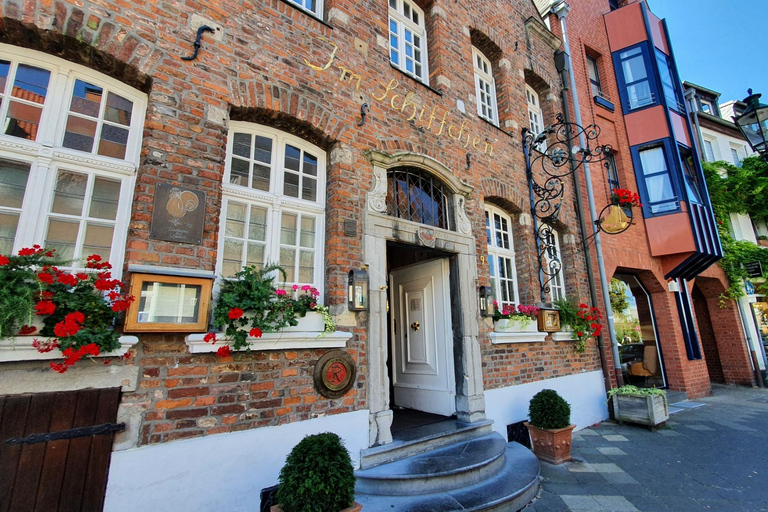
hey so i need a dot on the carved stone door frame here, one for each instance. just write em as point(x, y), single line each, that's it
point(381, 228)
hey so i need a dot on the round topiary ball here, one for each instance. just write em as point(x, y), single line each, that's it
point(317, 477)
point(549, 411)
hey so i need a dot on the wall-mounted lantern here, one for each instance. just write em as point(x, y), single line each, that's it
point(358, 289)
point(486, 301)
point(753, 123)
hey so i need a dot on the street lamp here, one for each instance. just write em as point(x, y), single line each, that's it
point(753, 123)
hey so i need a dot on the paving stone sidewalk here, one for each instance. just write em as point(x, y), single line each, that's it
point(712, 457)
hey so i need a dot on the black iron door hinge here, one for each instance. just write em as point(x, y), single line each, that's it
point(95, 430)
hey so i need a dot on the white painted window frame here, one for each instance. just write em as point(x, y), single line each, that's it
point(500, 252)
point(46, 154)
point(485, 85)
point(317, 12)
point(274, 200)
point(535, 114)
point(404, 23)
point(557, 284)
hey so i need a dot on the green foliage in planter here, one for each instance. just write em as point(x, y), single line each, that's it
point(549, 411)
point(630, 390)
point(317, 476)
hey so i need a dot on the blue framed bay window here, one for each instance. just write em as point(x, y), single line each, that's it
point(668, 82)
point(635, 78)
point(656, 181)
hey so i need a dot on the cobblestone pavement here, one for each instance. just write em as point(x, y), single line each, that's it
point(712, 456)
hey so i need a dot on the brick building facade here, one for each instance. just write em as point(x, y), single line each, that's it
point(276, 95)
point(650, 255)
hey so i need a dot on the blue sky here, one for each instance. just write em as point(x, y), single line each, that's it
point(719, 44)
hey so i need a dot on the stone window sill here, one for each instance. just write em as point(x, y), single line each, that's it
point(499, 338)
point(20, 349)
point(562, 336)
point(276, 341)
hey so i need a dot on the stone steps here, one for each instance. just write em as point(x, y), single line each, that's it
point(489, 475)
point(422, 439)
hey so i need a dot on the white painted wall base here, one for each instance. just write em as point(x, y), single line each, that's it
point(584, 391)
point(223, 472)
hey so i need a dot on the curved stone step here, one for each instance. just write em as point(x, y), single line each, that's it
point(511, 489)
point(423, 439)
point(450, 467)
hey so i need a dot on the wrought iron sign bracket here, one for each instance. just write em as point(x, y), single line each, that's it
point(551, 156)
point(204, 28)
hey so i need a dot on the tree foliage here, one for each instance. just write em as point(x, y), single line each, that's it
point(738, 190)
point(618, 295)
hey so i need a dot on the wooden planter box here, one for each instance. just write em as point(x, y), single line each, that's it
point(651, 410)
point(553, 446)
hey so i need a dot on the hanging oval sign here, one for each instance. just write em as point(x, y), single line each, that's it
point(335, 374)
point(615, 219)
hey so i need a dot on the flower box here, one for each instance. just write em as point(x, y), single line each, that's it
point(650, 410)
point(516, 324)
point(311, 322)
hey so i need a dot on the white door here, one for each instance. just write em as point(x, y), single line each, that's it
point(422, 338)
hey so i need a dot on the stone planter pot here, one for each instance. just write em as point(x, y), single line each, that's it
point(356, 507)
point(516, 325)
point(650, 410)
point(553, 446)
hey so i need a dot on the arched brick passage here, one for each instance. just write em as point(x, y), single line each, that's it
point(707, 336)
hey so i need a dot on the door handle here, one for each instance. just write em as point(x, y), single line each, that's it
point(415, 326)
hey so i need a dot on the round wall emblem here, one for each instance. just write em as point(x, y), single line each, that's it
point(335, 374)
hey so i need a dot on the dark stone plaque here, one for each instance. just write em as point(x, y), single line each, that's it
point(178, 214)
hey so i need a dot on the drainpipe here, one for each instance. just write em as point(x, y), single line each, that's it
point(561, 10)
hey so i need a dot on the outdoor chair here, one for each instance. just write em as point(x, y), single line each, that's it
point(647, 367)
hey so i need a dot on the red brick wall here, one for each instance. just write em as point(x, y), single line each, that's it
point(257, 73)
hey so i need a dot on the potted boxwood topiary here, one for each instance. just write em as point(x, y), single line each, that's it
point(550, 427)
point(317, 477)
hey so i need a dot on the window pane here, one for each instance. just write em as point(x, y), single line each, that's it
point(639, 95)
point(80, 134)
point(255, 255)
point(659, 188)
point(307, 232)
point(241, 145)
point(105, 198)
point(118, 110)
point(62, 236)
point(310, 165)
point(288, 262)
point(238, 174)
point(113, 141)
point(8, 224)
point(257, 228)
point(13, 183)
point(5, 67)
point(653, 161)
point(23, 120)
point(98, 240)
point(288, 229)
point(262, 151)
point(309, 189)
point(261, 176)
point(292, 156)
point(69, 195)
point(306, 266)
point(235, 224)
point(233, 253)
point(31, 83)
point(291, 184)
point(86, 99)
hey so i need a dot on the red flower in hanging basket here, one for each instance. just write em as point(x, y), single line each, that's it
point(624, 197)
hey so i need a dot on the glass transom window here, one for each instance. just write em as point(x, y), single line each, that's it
point(274, 204)
point(415, 195)
point(485, 87)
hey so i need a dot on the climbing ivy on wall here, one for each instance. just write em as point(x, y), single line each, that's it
point(738, 190)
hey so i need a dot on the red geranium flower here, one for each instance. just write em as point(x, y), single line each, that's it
point(235, 313)
point(68, 279)
point(26, 329)
point(255, 333)
point(45, 307)
point(45, 277)
point(82, 276)
point(26, 251)
point(4, 260)
point(224, 351)
point(210, 337)
point(44, 346)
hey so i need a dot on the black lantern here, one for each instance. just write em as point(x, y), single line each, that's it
point(358, 289)
point(486, 301)
point(753, 123)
